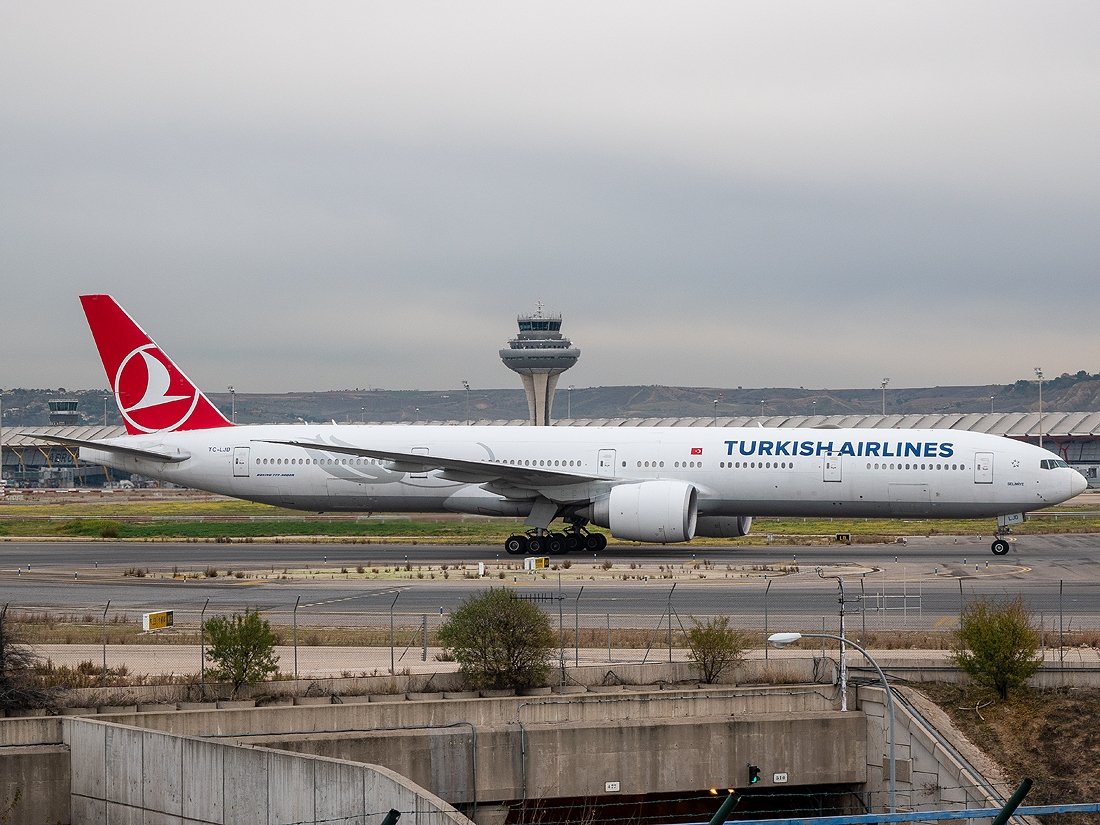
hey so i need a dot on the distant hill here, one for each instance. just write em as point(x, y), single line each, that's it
point(1080, 392)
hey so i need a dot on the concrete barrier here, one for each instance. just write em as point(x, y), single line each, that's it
point(125, 774)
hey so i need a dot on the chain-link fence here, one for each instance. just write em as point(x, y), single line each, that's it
point(623, 624)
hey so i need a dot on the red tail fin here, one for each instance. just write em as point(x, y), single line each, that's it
point(152, 393)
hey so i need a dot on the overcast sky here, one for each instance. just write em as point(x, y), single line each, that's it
point(309, 196)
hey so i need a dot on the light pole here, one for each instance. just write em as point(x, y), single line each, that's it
point(762, 402)
point(417, 411)
point(715, 412)
point(104, 411)
point(569, 403)
point(813, 408)
point(784, 639)
point(991, 404)
point(232, 404)
point(1039, 375)
point(466, 386)
point(885, 381)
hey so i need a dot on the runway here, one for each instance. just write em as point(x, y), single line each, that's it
point(920, 584)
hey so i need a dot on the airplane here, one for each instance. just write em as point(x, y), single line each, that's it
point(647, 484)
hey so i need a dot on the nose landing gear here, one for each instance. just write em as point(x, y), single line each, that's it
point(1004, 527)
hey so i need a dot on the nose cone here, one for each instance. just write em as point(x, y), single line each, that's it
point(1077, 484)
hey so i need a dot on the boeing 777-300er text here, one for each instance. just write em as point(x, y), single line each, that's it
point(647, 484)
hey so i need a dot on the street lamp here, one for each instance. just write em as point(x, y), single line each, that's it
point(1039, 375)
point(762, 407)
point(784, 639)
point(232, 404)
point(885, 381)
point(715, 412)
point(991, 404)
point(104, 411)
point(466, 386)
point(813, 408)
point(569, 403)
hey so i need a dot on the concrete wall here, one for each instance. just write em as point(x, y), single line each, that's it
point(521, 761)
point(34, 772)
point(614, 706)
point(128, 776)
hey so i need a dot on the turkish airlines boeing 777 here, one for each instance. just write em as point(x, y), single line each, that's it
point(649, 484)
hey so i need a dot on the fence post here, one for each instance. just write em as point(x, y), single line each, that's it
point(202, 644)
point(392, 666)
point(103, 678)
point(670, 622)
point(577, 629)
point(294, 623)
point(767, 587)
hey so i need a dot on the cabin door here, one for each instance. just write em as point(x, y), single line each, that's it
point(983, 468)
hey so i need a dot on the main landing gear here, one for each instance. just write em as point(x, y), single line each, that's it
point(536, 542)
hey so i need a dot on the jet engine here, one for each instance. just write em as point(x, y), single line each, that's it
point(661, 511)
point(723, 527)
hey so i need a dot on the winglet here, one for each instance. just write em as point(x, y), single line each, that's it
point(152, 393)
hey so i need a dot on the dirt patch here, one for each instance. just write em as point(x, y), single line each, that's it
point(1052, 736)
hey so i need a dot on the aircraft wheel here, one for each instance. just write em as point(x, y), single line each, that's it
point(536, 545)
point(1000, 547)
point(516, 545)
point(595, 542)
point(555, 544)
point(573, 542)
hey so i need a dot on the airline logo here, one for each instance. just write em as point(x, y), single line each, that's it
point(863, 449)
point(152, 394)
point(696, 450)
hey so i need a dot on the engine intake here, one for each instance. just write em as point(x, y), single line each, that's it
point(659, 511)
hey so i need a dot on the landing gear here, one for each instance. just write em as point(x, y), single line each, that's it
point(537, 542)
point(1004, 527)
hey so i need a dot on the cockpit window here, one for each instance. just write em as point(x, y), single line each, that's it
point(1052, 463)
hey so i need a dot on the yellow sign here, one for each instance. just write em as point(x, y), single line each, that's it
point(157, 621)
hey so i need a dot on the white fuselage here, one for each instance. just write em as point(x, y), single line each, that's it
point(752, 471)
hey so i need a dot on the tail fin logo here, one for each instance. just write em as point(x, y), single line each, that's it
point(152, 394)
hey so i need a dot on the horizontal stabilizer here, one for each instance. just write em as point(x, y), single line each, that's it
point(169, 454)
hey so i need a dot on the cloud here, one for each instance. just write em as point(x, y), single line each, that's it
point(345, 194)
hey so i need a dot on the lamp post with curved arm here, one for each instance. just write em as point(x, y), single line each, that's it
point(784, 639)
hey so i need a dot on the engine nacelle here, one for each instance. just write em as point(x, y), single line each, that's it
point(723, 527)
point(660, 511)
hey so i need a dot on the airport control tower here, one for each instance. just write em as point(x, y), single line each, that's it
point(539, 354)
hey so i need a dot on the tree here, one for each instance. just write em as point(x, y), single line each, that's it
point(18, 686)
point(996, 644)
point(241, 649)
point(499, 641)
point(715, 646)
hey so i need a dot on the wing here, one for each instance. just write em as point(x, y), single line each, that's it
point(169, 454)
point(524, 480)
